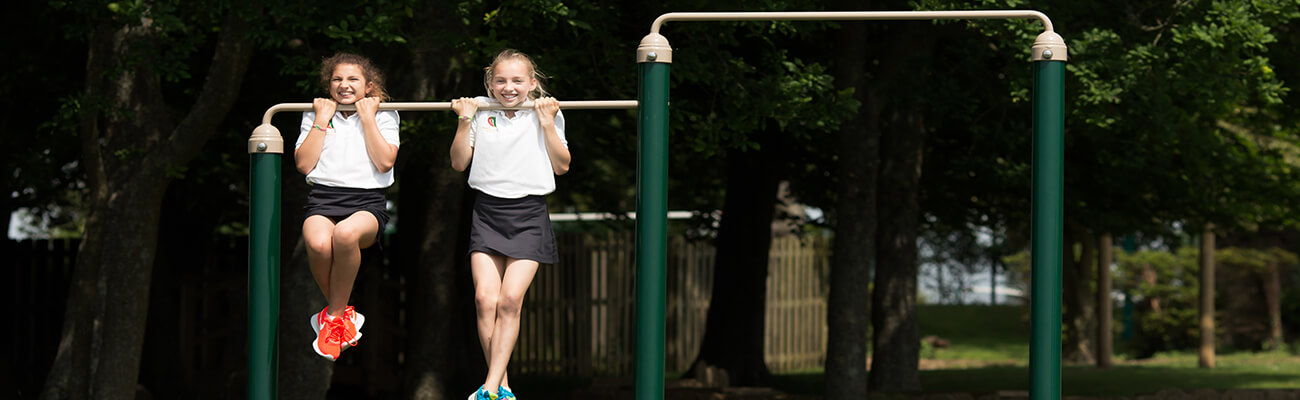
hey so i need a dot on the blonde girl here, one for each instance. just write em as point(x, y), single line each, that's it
point(513, 157)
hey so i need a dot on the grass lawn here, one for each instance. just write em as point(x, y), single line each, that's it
point(994, 334)
point(1233, 371)
point(990, 351)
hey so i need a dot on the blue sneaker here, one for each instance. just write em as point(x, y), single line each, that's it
point(483, 394)
point(505, 393)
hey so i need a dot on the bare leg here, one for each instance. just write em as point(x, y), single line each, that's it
point(318, 234)
point(518, 276)
point(487, 270)
point(350, 236)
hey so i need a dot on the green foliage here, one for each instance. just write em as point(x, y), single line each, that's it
point(1255, 259)
point(1164, 285)
point(299, 34)
point(1152, 90)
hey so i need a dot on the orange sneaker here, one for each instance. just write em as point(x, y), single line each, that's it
point(352, 320)
point(329, 339)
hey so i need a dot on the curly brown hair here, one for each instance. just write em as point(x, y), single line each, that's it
point(371, 73)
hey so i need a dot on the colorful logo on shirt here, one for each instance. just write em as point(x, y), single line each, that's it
point(492, 121)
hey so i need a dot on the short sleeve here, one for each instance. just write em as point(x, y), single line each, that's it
point(478, 116)
point(473, 126)
point(388, 122)
point(308, 119)
point(559, 128)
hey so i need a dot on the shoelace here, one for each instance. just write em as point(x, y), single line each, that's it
point(336, 330)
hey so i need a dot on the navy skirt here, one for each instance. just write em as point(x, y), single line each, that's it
point(516, 228)
point(338, 203)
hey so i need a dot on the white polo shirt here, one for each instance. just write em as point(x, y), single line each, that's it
point(510, 159)
point(343, 159)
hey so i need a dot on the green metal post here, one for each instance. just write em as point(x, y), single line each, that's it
point(1046, 227)
point(263, 274)
point(651, 226)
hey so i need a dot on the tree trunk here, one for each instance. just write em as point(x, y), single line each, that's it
point(1273, 299)
point(433, 288)
point(993, 280)
point(848, 303)
point(1077, 296)
point(103, 335)
point(128, 143)
point(1104, 303)
point(1149, 277)
point(733, 333)
point(895, 343)
point(432, 204)
point(303, 375)
point(1205, 357)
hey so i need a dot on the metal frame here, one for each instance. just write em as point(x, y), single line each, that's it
point(1049, 53)
point(265, 149)
point(654, 56)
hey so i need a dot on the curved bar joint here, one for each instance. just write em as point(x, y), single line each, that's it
point(1049, 47)
point(654, 48)
point(266, 139)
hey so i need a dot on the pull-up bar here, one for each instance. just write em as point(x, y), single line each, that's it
point(850, 15)
point(267, 139)
point(654, 58)
point(266, 148)
point(446, 106)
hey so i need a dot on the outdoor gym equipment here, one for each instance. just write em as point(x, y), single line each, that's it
point(654, 56)
point(266, 148)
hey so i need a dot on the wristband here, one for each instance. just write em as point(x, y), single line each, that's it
point(318, 127)
point(464, 118)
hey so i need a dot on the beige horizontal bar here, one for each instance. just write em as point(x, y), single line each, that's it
point(849, 15)
point(446, 106)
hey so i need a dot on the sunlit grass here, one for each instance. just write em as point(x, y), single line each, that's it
point(997, 334)
point(989, 353)
point(1272, 370)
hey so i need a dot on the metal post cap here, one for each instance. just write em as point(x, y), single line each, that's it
point(1049, 47)
point(266, 139)
point(656, 44)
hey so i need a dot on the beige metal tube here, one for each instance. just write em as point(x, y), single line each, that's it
point(655, 48)
point(267, 139)
point(849, 15)
point(446, 106)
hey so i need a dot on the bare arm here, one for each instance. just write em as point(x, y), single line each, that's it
point(382, 154)
point(306, 155)
point(462, 151)
point(547, 107)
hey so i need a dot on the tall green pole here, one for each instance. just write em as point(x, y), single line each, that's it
point(653, 58)
point(266, 148)
point(1047, 217)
